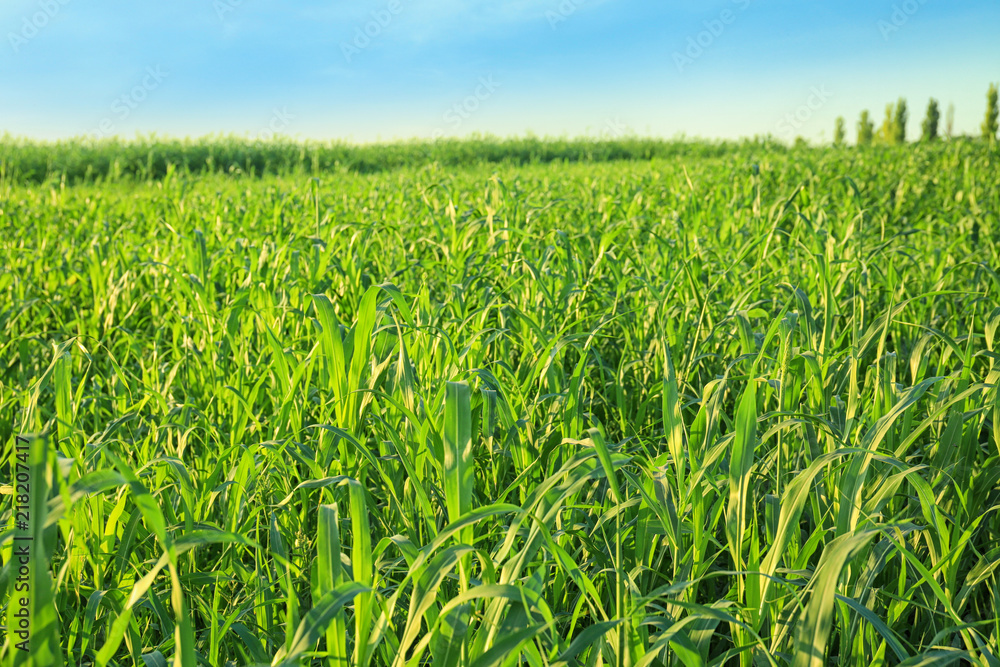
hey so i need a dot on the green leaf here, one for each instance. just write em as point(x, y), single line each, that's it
point(316, 623)
point(740, 464)
point(459, 466)
point(814, 627)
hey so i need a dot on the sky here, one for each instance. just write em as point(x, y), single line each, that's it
point(385, 70)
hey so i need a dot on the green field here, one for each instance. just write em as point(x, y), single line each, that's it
point(477, 404)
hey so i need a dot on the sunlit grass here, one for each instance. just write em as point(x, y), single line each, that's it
point(734, 408)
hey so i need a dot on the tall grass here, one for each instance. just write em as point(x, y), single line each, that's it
point(725, 409)
point(87, 160)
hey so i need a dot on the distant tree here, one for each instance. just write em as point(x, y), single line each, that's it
point(992, 112)
point(930, 125)
point(866, 129)
point(885, 132)
point(899, 122)
point(839, 132)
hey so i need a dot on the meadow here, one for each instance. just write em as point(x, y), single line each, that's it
point(651, 404)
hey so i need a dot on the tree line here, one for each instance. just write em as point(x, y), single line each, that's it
point(893, 128)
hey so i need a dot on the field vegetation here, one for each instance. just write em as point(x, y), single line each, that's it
point(503, 403)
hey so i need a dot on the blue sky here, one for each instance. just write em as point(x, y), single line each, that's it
point(370, 70)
